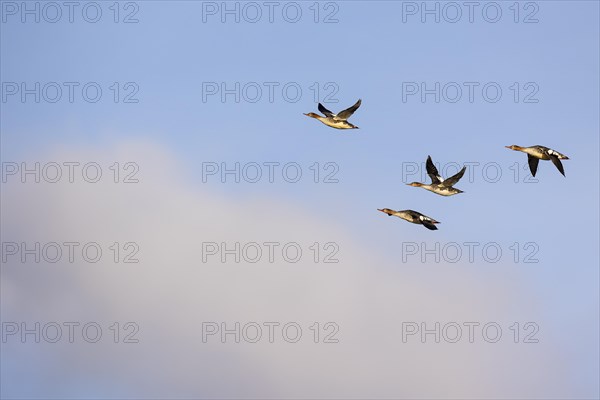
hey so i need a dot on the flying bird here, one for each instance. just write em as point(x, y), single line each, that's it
point(339, 120)
point(412, 216)
point(537, 153)
point(439, 185)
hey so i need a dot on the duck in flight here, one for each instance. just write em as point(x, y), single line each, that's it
point(439, 185)
point(537, 153)
point(339, 120)
point(412, 216)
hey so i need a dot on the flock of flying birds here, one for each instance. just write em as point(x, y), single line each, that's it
point(438, 185)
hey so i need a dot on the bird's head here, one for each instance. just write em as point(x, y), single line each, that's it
point(312, 115)
point(513, 147)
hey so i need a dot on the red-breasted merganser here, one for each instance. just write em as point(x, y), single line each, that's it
point(438, 185)
point(537, 153)
point(412, 216)
point(339, 120)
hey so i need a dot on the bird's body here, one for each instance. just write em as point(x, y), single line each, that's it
point(337, 121)
point(537, 153)
point(438, 185)
point(438, 189)
point(412, 216)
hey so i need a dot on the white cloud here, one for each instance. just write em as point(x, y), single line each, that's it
point(171, 292)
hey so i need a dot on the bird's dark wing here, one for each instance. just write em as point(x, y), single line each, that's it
point(432, 171)
point(429, 225)
point(455, 178)
point(325, 111)
point(533, 164)
point(344, 115)
point(557, 163)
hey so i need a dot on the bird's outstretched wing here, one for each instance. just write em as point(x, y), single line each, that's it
point(325, 111)
point(429, 225)
point(433, 172)
point(455, 178)
point(344, 115)
point(533, 164)
point(555, 160)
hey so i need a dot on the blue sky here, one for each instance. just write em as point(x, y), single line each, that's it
point(368, 54)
